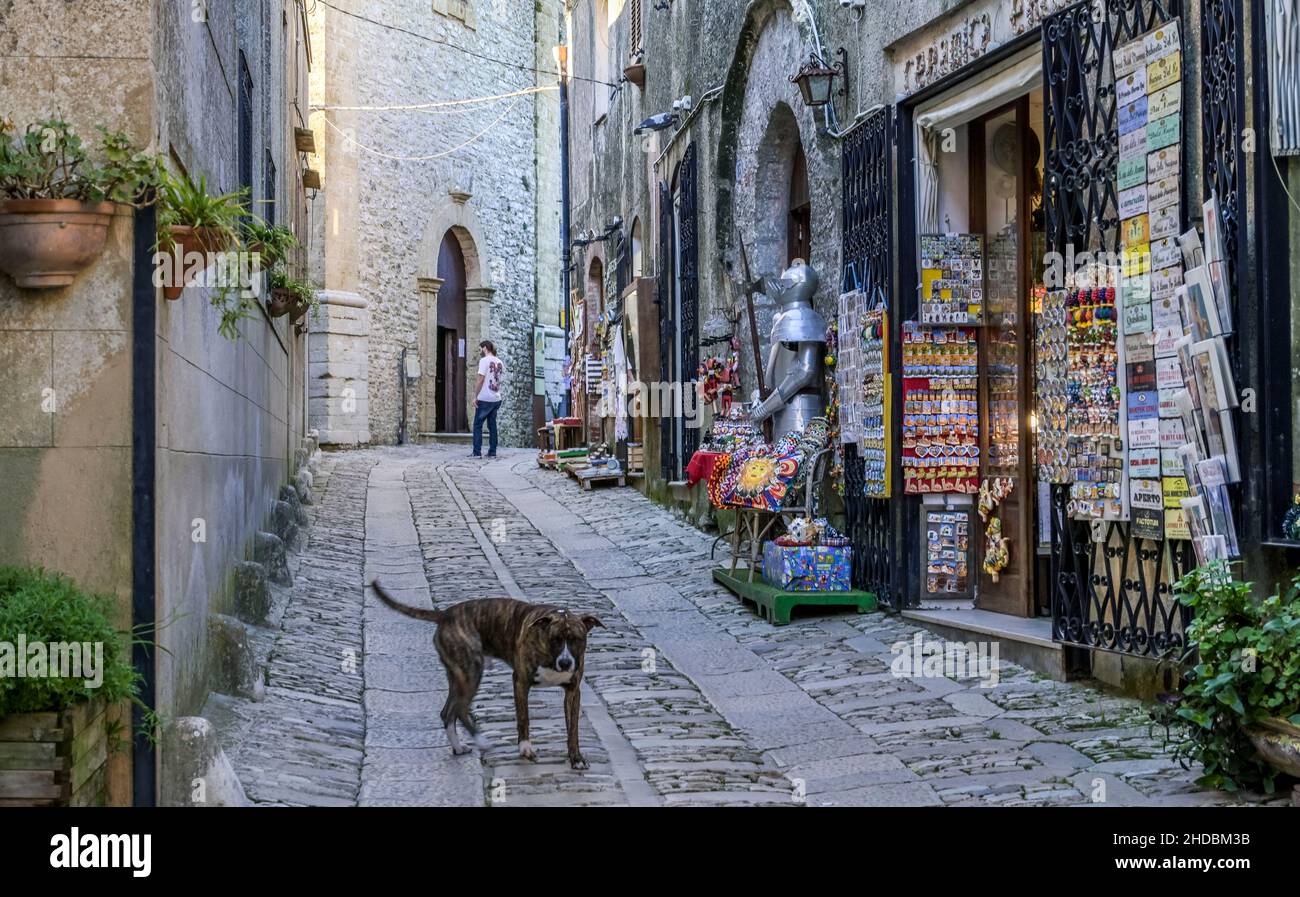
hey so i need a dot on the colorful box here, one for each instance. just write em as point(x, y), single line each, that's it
point(808, 568)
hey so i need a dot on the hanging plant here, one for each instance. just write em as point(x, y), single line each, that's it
point(56, 202)
point(270, 243)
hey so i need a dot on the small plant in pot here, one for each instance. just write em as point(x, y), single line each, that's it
point(62, 666)
point(290, 296)
point(194, 224)
point(271, 243)
point(56, 202)
point(1240, 708)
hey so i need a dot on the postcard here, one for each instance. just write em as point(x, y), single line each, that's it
point(1162, 132)
point(1165, 102)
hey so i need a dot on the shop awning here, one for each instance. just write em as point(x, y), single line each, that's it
point(996, 90)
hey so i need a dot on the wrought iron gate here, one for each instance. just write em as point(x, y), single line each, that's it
point(690, 291)
point(1110, 590)
point(664, 299)
point(867, 234)
point(678, 276)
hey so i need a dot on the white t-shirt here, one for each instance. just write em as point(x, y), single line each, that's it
point(491, 368)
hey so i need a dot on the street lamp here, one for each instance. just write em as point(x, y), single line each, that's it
point(815, 79)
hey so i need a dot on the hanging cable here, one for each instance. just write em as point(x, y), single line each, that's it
point(467, 52)
point(383, 155)
point(426, 106)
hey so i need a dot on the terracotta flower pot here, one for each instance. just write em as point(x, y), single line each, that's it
point(280, 303)
point(298, 309)
point(1278, 744)
point(186, 239)
point(46, 243)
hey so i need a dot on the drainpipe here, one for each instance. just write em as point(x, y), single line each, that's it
point(144, 442)
point(562, 56)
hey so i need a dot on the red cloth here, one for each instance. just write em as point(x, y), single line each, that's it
point(700, 467)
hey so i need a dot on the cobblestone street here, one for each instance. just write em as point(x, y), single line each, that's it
point(689, 697)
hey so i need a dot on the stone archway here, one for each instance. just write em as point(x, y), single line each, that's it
point(454, 218)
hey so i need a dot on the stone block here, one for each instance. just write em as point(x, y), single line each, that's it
point(252, 593)
point(195, 770)
point(235, 670)
point(269, 551)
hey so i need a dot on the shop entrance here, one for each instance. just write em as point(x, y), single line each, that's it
point(979, 206)
point(1004, 158)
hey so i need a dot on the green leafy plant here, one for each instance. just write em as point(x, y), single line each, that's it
point(41, 607)
point(304, 295)
point(49, 161)
point(184, 202)
point(274, 242)
point(1242, 666)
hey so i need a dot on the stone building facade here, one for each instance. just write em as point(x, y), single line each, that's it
point(432, 212)
point(166, 446)
point(748, 170)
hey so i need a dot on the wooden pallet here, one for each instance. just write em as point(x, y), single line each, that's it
point(775, 604)
point(588, 481)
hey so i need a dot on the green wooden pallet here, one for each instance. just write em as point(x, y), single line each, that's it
point(775, 604)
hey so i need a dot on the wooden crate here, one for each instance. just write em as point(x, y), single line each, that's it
point(54, 759)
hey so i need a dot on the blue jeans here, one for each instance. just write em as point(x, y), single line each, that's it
point(486, 411)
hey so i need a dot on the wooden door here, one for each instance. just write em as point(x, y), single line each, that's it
point(1000, 210)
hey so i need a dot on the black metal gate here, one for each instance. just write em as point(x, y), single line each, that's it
point(867, 234)
point(678, 276)
point(664, 299)
point(1110, 590)
point(690, 292)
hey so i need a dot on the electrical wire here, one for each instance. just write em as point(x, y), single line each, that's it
point(427, 106)
point(467, 52)
point(383, 155)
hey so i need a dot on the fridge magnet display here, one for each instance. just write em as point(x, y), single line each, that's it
point(947, 552)
point(940, 448)
point(874, 430)
point(952, 278)
point(1095, 398)
point(1051, 365)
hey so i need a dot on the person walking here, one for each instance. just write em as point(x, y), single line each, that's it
point(487, 398)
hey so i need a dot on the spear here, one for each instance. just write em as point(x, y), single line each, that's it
point(753, 322)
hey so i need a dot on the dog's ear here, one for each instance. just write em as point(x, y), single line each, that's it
point(545, 621)
point(591, 622)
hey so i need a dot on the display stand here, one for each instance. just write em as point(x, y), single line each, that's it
point(589, 476)
point(775, 604)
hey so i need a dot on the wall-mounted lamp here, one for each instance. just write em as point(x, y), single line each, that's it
point(815, 79)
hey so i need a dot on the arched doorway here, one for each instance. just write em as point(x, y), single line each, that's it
point(782, 206)
point(595, 306)
point(450, 346)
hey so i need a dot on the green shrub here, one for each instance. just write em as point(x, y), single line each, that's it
point(47, 607)
point(1242, 666)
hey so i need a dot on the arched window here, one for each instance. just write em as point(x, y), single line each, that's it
point(638, 259)
point(799, 228)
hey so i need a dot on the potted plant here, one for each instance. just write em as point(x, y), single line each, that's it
point(56, 202)
point(62, 665)
point(192, 220)
point(1240, 707)
point(290, 296)
point(272, 243)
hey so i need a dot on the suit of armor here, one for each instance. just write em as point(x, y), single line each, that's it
point(794, 363)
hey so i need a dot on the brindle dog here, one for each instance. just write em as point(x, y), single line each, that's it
point(544, 645)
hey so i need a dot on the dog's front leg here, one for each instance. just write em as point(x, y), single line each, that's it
point(521, 718)
point(572, 711)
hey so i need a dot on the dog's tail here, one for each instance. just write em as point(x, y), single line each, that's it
point(419, 613)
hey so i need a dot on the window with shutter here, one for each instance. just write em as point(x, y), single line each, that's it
point(635, 43)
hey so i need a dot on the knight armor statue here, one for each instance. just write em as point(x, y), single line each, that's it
point(794, 363)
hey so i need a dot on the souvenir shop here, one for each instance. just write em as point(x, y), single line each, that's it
point(1043, 413)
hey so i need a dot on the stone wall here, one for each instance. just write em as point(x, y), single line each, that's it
point(735, 61)
point(231, 414)
point(394, 170)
